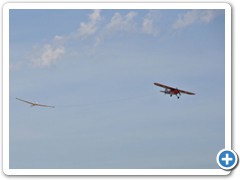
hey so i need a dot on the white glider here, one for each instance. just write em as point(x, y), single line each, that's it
point(35, 104)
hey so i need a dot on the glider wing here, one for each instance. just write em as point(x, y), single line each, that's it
point(35, 104)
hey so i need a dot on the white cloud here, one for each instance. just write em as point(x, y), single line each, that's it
point(48, 56)
point(208, 15)
point(186, 19)
point(117, 22)
point(194, 16)
point(123, 23)
point(90, 27)
point(58, 38)
point(148, 25)
point(50, 53)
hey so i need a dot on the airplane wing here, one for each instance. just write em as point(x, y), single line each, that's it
point(163, 86)
point(35, 104)
point(186, 92)
point(168, 87)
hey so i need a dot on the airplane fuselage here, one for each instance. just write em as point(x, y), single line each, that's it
point(171, 92)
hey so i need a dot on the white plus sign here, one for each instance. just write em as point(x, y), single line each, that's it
point(227, 159)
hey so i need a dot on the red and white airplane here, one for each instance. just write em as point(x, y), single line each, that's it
point(173, 91)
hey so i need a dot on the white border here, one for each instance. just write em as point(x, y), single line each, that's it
point(118, 5)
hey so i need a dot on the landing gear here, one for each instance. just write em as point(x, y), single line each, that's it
point(178, 95)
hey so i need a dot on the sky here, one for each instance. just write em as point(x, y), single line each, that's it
point(97, 67)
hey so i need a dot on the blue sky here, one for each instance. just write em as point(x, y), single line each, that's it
point(98, 68)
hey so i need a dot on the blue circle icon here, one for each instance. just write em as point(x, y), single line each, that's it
point(227, 159)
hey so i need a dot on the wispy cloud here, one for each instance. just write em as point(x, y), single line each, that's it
point(131, 22)
point(90, 27)
point(101, 28)
point(117, 23)
point(122, 23)
point(148, 26)
point(14, 66)
point(208, 15)
point(194, 16)
point(48, 55)
point(51, 52)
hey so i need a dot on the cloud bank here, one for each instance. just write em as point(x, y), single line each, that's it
point(194, 16)
point(100, 28)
